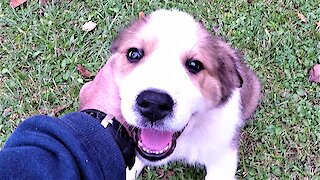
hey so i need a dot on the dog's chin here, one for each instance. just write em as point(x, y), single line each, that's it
point(153, 144)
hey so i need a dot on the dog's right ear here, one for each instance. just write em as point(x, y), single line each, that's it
point(102, 92)
point(114, 45)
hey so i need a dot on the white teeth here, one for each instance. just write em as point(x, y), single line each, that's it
point(153, 152)
point(146, 150)
point(167, 147)
point(140, 144)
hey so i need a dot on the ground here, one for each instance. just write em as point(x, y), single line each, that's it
point(41, 46)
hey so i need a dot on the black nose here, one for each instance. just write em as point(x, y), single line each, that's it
point(154, 105)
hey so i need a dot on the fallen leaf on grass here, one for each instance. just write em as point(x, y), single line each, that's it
point(1, 39)
point(216, 28)
point(43, 111)
point(83, 71)
point(141, 14)
point(301, 17)
point(318, 25)
point(57, 51)
point(314, 75)
point(40, 12)
point(58, 109)
point(6, 111)
point(170, 173)
point(13, 118)
point(89, 26)
point(16, 3)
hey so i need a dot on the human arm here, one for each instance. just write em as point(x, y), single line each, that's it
point(74, 146)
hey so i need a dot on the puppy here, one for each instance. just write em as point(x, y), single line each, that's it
point(184, 93)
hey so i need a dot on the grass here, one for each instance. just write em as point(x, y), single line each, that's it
point(41, 46)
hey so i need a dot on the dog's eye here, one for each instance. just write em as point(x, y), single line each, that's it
point(194, 66)
point(134, 55)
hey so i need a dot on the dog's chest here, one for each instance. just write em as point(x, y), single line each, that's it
point(209, 135)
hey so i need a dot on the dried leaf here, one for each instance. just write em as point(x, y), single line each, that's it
point(318, 25)
point(43, 111)
point(89, 26)
point(1, 38)
point(16, 3)
point(141, 14)
point(40, 12)
point(57, 51)
point(83, 71)
point(170, 173)
point(314, 75)
point(160, 172)
point(216, 28)
point(58, 109)
point(7, 111)
point(301, 17)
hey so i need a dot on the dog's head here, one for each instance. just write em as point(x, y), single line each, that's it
point(168, 68)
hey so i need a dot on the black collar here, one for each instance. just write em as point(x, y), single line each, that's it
point(118, 132)
point(99, 115)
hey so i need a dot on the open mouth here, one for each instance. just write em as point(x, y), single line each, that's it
point(153, 144)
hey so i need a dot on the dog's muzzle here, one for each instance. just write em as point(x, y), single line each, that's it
point(153, 143)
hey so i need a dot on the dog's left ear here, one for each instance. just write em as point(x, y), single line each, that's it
point(230, 68)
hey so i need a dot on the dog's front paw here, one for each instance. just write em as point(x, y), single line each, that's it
point(135, 171)
point(131, 174)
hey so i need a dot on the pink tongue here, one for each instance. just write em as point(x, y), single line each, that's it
point(154, 139)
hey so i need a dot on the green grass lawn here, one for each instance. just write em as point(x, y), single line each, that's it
point(42, 45)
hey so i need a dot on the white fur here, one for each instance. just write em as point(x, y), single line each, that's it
point(209, 131)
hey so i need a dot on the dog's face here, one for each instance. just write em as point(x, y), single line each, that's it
point(168, 69)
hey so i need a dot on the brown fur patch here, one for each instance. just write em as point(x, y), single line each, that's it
point(220, 76)
point(224, 71)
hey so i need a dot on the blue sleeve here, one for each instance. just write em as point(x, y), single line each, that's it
point(74, 146)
